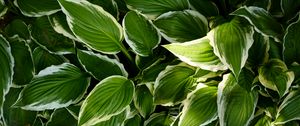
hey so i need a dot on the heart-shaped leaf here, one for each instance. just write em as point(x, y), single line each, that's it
point(109, 98)
point(36, 8)
point(143, 100)
point(54, 87)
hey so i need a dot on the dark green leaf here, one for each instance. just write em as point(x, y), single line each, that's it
point(134, 121)
point(206, 7)
point(36, 8)
point(17, 27)
point(109, 98)
point(290, 7)
point(182, 26)
point(61, 117)
point(258, 53)
point(150, 73)
point(143, 100)
point(159, 119)
point(108, 5)
point(265, 4)
point(54, 87)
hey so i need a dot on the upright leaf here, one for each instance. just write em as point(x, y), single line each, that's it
point(140, 34)
point(54, 87)
point(182, 26)
point(143, 100)
point(154, 8)
point(159, 119)
point(197, 53)
point(93, 26)
point(206, 7)
point(61, 117)
point(232, 47)
point(109, 98)
point(275, 75)
point(36, 8)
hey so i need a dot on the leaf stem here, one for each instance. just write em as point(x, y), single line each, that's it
point(129, 57)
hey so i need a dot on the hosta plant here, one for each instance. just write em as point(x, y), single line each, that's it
point(149, 62)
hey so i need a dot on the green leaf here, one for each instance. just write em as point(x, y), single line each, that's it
point(90, 61)
point(143, 100)
point(3, 8)
point(206, 7)
point(291, 43)
point(261, 20)
point(264, 121)
point(200, 108)
point(108, 5)
point(6, 70)
point(198, 53)
point(290, 7)
point(24, 67)
point(134, 121)
point(159, 119)
point(154, 8)
point(275, 76)
point(172, 85)
point(232, 47)
point(36, 8)
point(61, 117)
point(116, 120)
point(289, 109)
point(54, 87)
point(236, 100)
point(45, 36)
point(93, 26)
point(182, 26)
point(140, 34)
point(258, 53)
point(17, 27)
point(109, 98)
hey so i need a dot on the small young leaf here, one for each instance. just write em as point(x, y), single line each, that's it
point(36, 8)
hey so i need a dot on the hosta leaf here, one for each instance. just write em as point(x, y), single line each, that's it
point(275, 75)
point(143, 100)
point(236, 100)
point(291, 43)
point(206, 7)
point(290, 7)
point(159, 119)
point(108, 5)
point(289, 109)
point(61, 117)
point(90, 61)
point(17, 27)
point(200, 108)
point(197, 53)
point(59, 23)
point(154, 8)
point(258, 53)
point(264, 121)
point(140, 34)
point(93, 26)
point(261, 20)
point(6, 70)
point(54, 87)
point(116, 120)
point(150, 73)
point(110, 97)
point(36, 8)
point(173, 84)
point(182, 26)
point(3, 8)
point(45, 36)
point(232, 47)
point(24, 67)
point(134, 121)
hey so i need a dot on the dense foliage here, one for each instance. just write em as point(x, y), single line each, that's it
point(149, 62)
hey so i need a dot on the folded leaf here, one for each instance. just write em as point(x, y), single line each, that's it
point(36, 8)
point(109, 98)
point(143, 100)
point(198, 53)
point(182, 26)
point(54, 87)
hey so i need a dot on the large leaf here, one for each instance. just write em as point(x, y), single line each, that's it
point(291, 43)
point(93, 26)
point(232, 47)
point(261, 20)
point(59, 23)
point(154, 8)
point(236, 100)
point(159, 119)
point(54, 87)
point(197, 53)
point(182, 26)
point(173, 84)
point(109, 98)
point(275, 75)
point(6, 70)
point(108, 5)
point(116, 120)
point(200, 108)
point(206, 7)
point(36, 8)
point(90, 61)
point(143, 100)
point(61, 117)
point(140, 34)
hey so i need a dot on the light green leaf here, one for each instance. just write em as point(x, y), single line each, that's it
point(172, 85)
point(206, 7)
point(143, 100)
point(275, 75)
point(232, 47)
point(6, 70)
point(291, 43)
point(200, 108)
point(90, 61)
point(59, 23)
point(17, 27)
point(61, 117)
point(116, 120)
point(54, 87)
point(109, 98)
point(182, 26)
point(140, 34)
point(236, 100)
point(108, 5)
point(261, 20)
point(289, 109)
point(3, 8)
point(198, 53)
point(134, 121)
point(159, 119)
point(93, 26)
point(36, 8)
point(154, 8)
